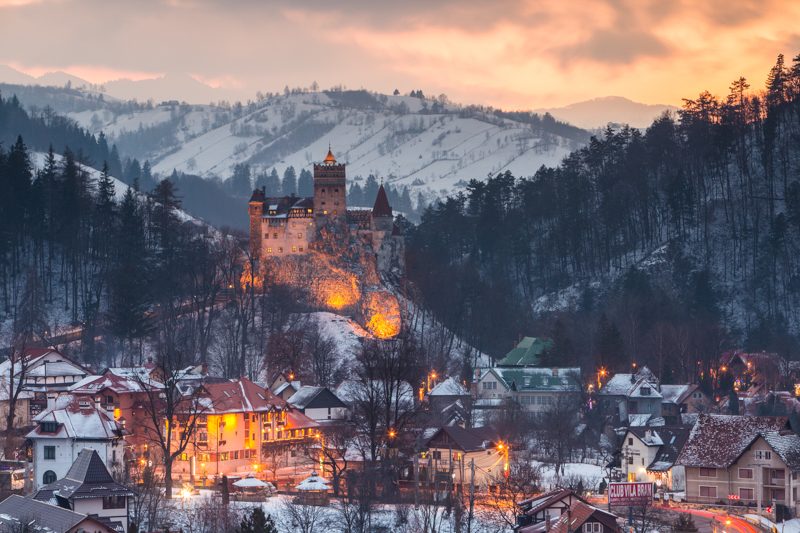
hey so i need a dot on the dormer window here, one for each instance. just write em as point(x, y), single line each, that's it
point(645, 391)
point(49, 426)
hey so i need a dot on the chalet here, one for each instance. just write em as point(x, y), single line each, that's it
point(63, 431)
point(677, 400)
point(754, 372)
point(536, 389)
point(319, 403)
point(649, 454)
point(285, 385)
point(41, 374)
point(578, 517)
point(449, 452)
point(244, 429)
point(632, 394)
point(89, 488)
point(742, 459)
point(26, 514)
point(564, 511)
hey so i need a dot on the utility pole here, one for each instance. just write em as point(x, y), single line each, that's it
point(471, 494)
point(416, 481)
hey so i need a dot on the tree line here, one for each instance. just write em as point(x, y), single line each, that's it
point(670, 243)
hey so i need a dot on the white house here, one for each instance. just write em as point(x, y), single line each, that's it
point(536, 389)
point(649, 454)
point(88, 488)
point(318, 403)
point(63, 431)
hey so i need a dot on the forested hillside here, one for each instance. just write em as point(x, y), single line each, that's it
point(664, 246)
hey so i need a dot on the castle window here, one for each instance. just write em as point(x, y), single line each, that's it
point(324, 211)
point(301, 248)
point(294, 248)
point(266, 235)
point(335, 203)
point(334, 211)
point(299, 235)
point(323, 203)
point(274, 235)
point(323, 190)
point(280, 249)
point(269, 250)
point(308, 210)
point(335, 190)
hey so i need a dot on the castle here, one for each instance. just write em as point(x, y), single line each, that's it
point(289, 225)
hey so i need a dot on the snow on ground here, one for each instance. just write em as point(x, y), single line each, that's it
point(590, 474)
point(790, 526)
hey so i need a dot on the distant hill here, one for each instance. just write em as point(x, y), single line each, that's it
point(598, 112)
point(430, 147)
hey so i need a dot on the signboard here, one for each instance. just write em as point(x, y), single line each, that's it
point(630, 493)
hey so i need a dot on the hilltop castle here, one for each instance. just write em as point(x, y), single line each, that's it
point(289, 225)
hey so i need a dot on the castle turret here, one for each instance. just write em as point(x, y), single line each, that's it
point(382, 218)
point(256, 209)
point(330, 188)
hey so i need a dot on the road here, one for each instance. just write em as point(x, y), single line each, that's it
point(710, 522)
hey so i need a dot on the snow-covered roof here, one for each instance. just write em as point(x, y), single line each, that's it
point(351, 390)
point(314, 397)
point(313, 483)
point(787, 445)
point(626, 384)
point(530, 379)
point(638, 420)
point(76, 422)
point(449, 387)
point(676, 393)
point(717, 441)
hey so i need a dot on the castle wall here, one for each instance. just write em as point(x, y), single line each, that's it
point(286, 236)
point(330, 191)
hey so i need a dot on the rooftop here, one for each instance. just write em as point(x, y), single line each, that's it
point(528, 352)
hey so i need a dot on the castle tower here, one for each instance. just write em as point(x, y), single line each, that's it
point(330, 189)
point(382, 219)
point(256, 209)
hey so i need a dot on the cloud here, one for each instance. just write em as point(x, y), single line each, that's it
point(616, 47)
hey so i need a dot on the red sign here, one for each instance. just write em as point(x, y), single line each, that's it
point(630, 493)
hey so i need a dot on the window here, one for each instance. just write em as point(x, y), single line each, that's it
point(437, 455)
point(592, 527)
point(745, 494)
point(49, 427)
point(49, 477)
point(708, 492)
point(50, 452)
point(114, 502)
point(294, 248)
point(764, 454)
point(300, 249)
point(109, 400)
point(630, 460)
point(269, 250)
point(274, 235)
point(708, 472)
point(745, 473)
point(630, 441)
point(266, 235)
point(280, 249)
point(299, 235)
point(645, 391)
point(489, 385)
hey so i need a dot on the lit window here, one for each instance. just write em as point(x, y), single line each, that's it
point(294, 248)
point(269, 250)
point(299, 235)
point(280, 249)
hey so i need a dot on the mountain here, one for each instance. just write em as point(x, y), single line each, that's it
point(180, 87)
point(429, 147)
point(598, 112)
point(10, 75)
point(60, 79)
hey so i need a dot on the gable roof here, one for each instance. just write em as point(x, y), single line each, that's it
point(677, 394)
point(43, 516)
point(87, 478)
point(580, 513)
point(309, 397)
point(527, 352)
point(787, 446)
point(529, 379)
point(464, 439)
point(118, 383)
point(670, 441)
point(625, 384)
point(76, 422)
point(717, 441)
point(449, 387)
point(239, 396)
point(534, 505)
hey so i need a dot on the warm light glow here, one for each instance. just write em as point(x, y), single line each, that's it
point(230, 421)
point(392, 433)
point(382, 311)
point(117, 413)
point(257, 281)
point(724, 368)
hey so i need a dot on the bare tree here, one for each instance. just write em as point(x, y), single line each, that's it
point(357, 505)
point(304, 518)
point(172, 411)
point(523, 480)
point(557, 430)
point(333, 445)
point(147, 503)
point(323, 356)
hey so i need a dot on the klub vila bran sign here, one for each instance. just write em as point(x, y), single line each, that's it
point(630, 493)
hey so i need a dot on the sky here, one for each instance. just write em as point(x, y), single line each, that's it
point(508, 54)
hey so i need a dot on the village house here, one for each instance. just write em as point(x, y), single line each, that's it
point(563, 511)
point(756, 373)
point(18, 513)
point(630, 395)
point(244, 429)
point(88, 488)
point(449, 452)
point(649, 454)
point(284, 386)
point(449, 403)
point(537, 390)
point(41, 374)
point(319, 403)
point(677, 400)
point(742, 459)
point(64, 430)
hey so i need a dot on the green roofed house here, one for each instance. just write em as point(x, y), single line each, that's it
point(528, 352)
point(535, 389)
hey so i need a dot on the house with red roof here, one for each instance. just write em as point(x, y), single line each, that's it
point(563, 511)
point(246, 429)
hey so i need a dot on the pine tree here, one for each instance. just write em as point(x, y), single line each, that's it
point(777, 83)
point(289, 186)
point(257, 522)
point(240, 182)
point(305, 184)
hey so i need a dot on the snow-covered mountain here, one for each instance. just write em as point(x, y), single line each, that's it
point(433, 148)
point(598, 112)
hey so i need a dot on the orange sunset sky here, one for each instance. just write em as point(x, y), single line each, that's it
point(523, 54)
